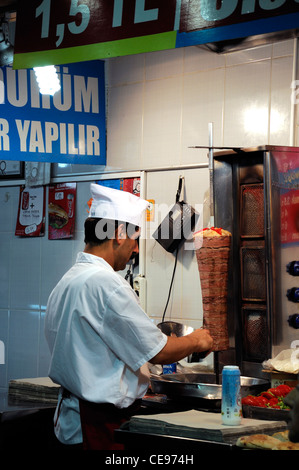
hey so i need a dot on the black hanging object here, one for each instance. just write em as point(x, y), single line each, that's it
point(177, 225)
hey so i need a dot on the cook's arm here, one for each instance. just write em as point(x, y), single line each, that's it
point(178, 348)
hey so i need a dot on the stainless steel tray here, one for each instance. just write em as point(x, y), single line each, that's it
point(202, 385)
point(270, 414)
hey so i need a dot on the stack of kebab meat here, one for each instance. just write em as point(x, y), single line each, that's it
point(212, 247)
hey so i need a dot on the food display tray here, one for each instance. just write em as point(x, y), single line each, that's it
point(270, 414)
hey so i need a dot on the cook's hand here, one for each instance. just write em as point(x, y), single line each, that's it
point(199, 341)
point(203, 341)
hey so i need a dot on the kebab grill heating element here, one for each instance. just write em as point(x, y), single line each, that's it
point(256, 198)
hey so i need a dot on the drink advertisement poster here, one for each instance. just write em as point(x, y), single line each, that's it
point(286, 181)
point(62, 210)
point(31, 212)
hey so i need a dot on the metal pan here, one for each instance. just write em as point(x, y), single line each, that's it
point(201, 386)
point(172, 328)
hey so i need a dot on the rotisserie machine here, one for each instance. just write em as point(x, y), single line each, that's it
point(256, 198)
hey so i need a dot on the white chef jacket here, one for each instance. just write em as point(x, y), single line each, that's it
point(100, 341)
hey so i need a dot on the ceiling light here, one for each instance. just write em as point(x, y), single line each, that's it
point(47, 79)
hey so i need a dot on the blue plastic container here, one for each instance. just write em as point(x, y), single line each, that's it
point(231, 407)
point(169, 368)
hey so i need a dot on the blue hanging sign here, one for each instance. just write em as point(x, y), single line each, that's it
point(69, 127)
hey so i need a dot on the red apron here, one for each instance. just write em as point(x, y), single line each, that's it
point(99, 421)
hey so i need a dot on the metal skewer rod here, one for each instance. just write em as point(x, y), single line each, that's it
point(212, 221)
point(216, 367)
point(211, 173)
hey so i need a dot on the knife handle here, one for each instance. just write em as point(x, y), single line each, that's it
point(196, 357)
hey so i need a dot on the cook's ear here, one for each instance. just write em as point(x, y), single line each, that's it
point(120, 232)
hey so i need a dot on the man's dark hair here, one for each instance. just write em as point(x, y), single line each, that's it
point(98, 230)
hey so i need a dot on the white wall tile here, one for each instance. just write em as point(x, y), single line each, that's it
point(25, 273)
point(5, 264)
point(283, 48)
point(23, 344)
point(126, 69)
point(199, 59)
point(246, 107)
point(125, 118)
point(52, 267)
point(249, 55)
point(163, 64)
point(162, 122)
point(8, 213)
point(203, 100)
point(281, 101)
point(4, 319)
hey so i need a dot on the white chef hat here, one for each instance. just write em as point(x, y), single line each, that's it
point(109, 203)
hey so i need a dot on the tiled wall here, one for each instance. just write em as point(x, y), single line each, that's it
point(29, 269)
point(159, 104)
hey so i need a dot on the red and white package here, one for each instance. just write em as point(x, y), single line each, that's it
point(62, 210)
point(31, 212)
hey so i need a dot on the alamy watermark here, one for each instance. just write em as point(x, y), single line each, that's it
point(180, 226)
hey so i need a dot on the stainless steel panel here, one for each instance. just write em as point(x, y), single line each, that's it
point(255, 345)
point(253, 284)
point(252, 211)
point(257, 199)
point(283, 209)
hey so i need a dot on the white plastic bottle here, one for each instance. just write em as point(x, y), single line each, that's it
point(231, 408)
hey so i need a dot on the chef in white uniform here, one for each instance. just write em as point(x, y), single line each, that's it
point(99, 337)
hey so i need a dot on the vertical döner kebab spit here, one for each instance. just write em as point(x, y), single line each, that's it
point(212, 247)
